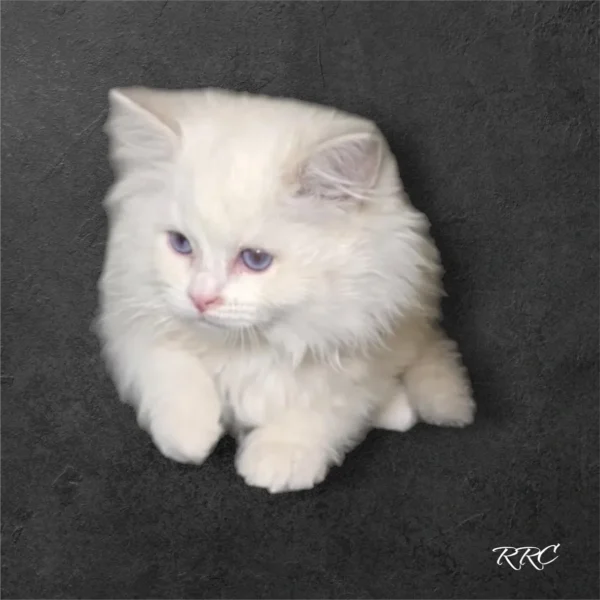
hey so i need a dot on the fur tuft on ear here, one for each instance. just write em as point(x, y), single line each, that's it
point(344, 168)
point(140, 127)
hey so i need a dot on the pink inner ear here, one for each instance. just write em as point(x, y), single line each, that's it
point(346, 167)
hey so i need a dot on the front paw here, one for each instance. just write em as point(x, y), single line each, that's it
point(184, 435)
point(267, 461)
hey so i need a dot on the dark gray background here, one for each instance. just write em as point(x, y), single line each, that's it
point(492, 111)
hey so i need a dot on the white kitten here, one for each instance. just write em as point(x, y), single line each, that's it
point(265, 272)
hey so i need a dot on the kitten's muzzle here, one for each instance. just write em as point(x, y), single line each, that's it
point(205, 302)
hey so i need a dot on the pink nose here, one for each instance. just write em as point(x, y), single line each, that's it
point(203, 303)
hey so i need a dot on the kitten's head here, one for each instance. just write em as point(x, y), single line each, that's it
point(251, 214)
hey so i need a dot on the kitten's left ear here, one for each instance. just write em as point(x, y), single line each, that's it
point(140, 126)
point(346, 167)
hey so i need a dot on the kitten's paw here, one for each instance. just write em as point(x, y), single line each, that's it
point(449, 405)
point(438, 387)
point(280, 466)
point(184, 436)
point(448, 411)
point(397, 414)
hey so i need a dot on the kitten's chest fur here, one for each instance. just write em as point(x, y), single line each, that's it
point(255, 385)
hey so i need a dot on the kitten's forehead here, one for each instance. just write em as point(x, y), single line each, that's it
point(238, 168)
point(231, 188)
point(241, 156)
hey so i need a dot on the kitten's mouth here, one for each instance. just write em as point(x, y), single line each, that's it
point(198, 320)
point(211, 322)
point(236, 318)
point(229, 324)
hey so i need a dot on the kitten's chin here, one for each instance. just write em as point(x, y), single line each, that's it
point(221, 325)
point(203, 325)
point(208, 320)
point(227, 319)
point(229, 324)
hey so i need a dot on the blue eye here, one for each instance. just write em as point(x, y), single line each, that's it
point(180, 243)
point(256, 260)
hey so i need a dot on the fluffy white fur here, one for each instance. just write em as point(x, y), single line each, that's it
point(339, 335)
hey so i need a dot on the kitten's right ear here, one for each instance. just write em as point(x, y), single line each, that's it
point(345, 168)
point(140, 127)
